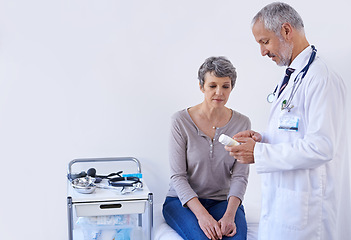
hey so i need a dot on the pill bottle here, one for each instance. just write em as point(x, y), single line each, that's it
point(228, 141)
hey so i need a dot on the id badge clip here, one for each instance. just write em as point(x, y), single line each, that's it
point(286, 106)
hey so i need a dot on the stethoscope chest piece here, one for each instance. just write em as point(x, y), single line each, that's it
point(270, 97)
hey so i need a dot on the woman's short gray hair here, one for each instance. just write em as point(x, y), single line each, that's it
point(220, 67)
point(274, 15)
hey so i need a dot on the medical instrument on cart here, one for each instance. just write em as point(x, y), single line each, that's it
point(92, 173)
point(297, 82)
point(87, 182)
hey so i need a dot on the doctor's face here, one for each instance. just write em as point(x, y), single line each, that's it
point(216, 89)
point(272, 45)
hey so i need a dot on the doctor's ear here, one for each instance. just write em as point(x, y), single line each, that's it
point(286, 31)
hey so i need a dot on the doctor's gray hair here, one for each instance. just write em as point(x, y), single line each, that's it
point(220, 67)
point(274, 15)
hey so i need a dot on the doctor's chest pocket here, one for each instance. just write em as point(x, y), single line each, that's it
point(291, 209)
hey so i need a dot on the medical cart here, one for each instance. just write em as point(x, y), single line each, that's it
point(110, 202)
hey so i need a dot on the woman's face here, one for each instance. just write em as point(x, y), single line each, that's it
point(216, 89)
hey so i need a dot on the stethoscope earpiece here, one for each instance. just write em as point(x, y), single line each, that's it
point(91, 172)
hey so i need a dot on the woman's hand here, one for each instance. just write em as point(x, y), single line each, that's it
point(207, 223)
point(210, 227)
point(228, 227)
point(227, 222)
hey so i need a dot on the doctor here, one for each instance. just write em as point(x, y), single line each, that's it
point(303, 155)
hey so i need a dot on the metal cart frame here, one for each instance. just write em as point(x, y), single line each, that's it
point(73, 201)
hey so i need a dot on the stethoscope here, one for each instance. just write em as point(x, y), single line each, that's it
point(297, 80)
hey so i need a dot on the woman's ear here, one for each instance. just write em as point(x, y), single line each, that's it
point(201, 88)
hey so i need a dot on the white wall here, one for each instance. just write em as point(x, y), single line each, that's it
point(84, 78)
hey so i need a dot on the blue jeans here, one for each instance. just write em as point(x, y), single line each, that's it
point(185, 223)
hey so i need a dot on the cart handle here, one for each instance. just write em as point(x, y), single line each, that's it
point(116, 159)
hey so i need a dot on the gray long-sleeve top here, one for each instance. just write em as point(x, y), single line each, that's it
point(200, 166)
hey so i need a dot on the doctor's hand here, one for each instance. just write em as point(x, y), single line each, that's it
point(244, 153)
point(249, 134)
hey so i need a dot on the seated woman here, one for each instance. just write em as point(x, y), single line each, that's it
point(207, 185)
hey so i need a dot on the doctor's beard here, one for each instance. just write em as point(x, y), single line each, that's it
point(286, 53)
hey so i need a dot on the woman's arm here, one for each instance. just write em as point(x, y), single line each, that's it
point(178, 142)
point(227, 222)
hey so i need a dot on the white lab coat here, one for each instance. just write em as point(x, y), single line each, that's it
point(305, 174)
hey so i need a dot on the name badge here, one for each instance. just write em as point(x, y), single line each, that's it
point(288, 122)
